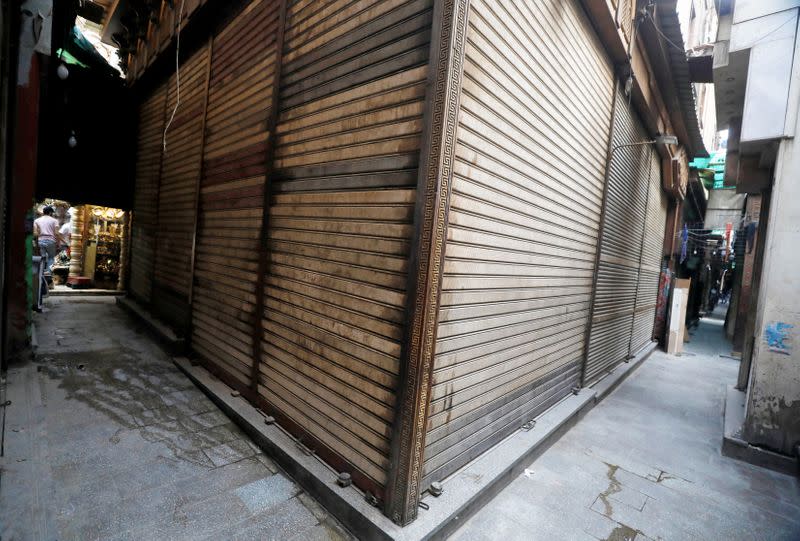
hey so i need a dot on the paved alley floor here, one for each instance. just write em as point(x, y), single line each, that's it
point(104, 438)
point(645, 463)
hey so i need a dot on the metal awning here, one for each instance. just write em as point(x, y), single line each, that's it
point(679, 65)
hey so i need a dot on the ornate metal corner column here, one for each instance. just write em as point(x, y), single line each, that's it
point(445, 72)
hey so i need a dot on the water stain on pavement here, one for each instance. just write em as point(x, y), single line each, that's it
point(622, 533)
point(142, 396)
point(614, 486)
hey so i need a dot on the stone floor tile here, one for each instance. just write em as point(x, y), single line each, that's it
point(648, 460)
point(116, 443)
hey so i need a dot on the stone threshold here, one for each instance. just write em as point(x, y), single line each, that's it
point(69, 292)
point(163, 333)
point(465, 492)
point(735, 446)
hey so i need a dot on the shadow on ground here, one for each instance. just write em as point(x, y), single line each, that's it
point(106, 439)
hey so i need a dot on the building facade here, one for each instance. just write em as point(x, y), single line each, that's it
point(407, 228)
point(756, 68)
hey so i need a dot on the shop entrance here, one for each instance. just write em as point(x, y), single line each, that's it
point(91, 249)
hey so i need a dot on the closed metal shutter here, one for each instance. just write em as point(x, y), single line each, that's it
point(650, 267)
point(145, 199)
point(352, 98)
point(524, 217)
point(621, 245)
point(231, 195)
point(177, 194)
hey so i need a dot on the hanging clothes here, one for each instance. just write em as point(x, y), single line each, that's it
point(750, 235)
point(684, 242)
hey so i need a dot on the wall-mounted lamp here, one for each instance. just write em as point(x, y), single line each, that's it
point(664, 139)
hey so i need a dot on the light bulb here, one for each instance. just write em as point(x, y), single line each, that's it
point(72, 141)
point(62, 71)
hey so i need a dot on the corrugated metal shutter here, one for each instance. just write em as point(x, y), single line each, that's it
point(177, 194)
point(352, 95)
point(524, 217)
point(650, 267)
point(232, 187)
point(621, 245)
point(145, 199)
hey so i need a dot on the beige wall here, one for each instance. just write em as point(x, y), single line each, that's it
point(773, 406)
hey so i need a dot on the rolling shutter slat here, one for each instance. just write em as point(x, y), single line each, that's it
point(145, 202)
point(524, 216)
point(231, 189)
point(348, 137)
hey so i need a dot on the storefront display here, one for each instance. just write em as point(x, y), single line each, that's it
point(90, 253)
point(103, 246)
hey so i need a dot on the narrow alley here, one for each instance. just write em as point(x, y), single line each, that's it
point(104, 438)
point(646, 464)
point(399, 270)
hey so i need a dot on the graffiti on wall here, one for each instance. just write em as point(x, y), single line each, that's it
point(776, 335)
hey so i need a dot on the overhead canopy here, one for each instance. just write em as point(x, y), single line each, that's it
point(679, 66)
point(711, 169)
point(78, 50)
point(701, 68)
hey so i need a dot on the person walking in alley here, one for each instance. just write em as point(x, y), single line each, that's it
point(45, 229)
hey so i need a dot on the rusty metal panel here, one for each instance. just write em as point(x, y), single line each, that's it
point(177, 194)
point(523, 223)
point(230, 208)
point(343, 193)
point(630, 179)
point(145, 203)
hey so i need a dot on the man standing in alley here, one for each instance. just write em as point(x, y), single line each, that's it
point(66, 231)
point(45, 229)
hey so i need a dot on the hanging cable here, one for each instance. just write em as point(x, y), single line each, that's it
point(768, 34)
point(660, 33)
point(177, 76)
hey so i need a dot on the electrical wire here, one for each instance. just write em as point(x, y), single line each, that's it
point(768, 34)
point(177, 76)
point(681, 49)
point(660, 33)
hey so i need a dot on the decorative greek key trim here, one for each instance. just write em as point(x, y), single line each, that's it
point(433, 192)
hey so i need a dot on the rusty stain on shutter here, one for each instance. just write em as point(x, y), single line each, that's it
point(231, 188)
point(348, 135)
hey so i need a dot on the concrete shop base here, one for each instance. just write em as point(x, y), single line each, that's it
point(464, 492)
point(734, 446)
point(166, 337)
